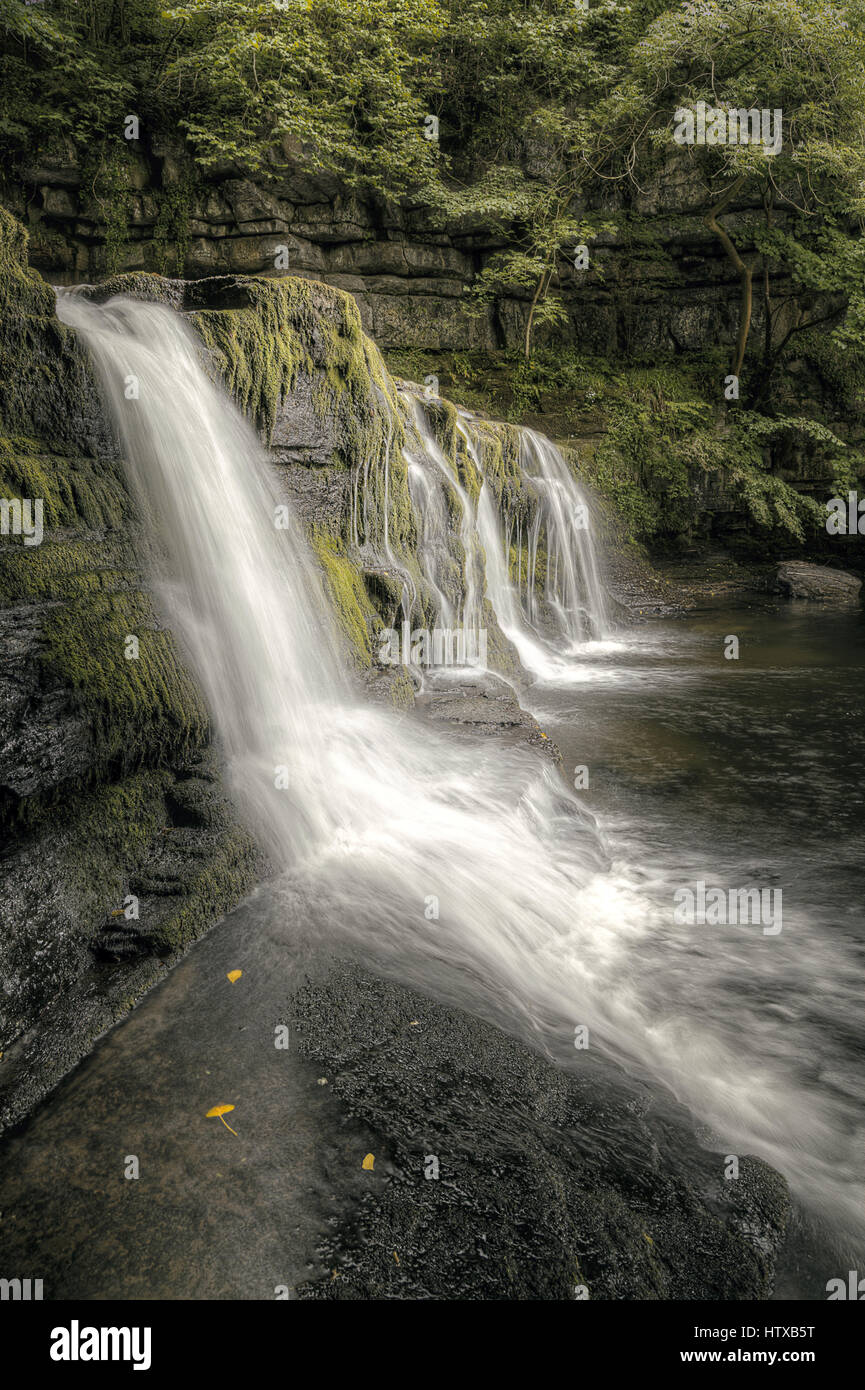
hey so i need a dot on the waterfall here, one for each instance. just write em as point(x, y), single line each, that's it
point(464, 562)
point(477, 877)
point(433, 483)
point(573, 586)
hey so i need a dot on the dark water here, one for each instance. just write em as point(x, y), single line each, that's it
point(746, 773)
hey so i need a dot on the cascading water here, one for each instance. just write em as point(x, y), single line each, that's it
point(573, 586)
point(540, 926)
point(547, 622)
point(455, 580)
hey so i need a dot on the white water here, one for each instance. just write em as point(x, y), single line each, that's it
point(429, 465)
point(549, 625)
point(382, 814)
point(573, 584)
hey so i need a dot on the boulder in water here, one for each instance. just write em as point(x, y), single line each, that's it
point(800, 580)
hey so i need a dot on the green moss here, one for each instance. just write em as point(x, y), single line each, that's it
point(257, 353)
point(212, 885)
point(500, 448)
point(275, 328)
point(116, 822)
point(63, 570)
point(402, 690)
point(76, 492)
point(518, 565)
point(148, 708)
point(22, 291)
point(354, 612)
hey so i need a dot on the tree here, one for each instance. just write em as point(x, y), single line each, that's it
point(804, 58)
point(327, 84)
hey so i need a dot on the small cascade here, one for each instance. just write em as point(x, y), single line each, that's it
point(522, 543)
point(449, 551)
point(572, 588)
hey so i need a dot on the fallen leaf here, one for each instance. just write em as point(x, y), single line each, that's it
point(220, 1111)
point(396, 1256)
point(369, 1161)
point(234, 975)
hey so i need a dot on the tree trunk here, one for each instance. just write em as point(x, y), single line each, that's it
point(537, 295)
point(744, 272)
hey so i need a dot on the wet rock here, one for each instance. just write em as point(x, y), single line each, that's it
point(117, 942)
point(797, 579)
point(527, 1203)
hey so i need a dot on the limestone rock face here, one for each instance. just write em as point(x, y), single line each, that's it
point(407, 266)
point(797, 579)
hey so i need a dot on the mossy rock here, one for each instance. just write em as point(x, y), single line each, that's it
point(355, 614)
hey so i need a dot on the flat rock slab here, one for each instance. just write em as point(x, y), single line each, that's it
point(797, 579)
point(513, 1178)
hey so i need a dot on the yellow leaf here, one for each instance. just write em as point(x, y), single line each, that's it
point(234, 975)
point(369, 1161)
point(218, 1112)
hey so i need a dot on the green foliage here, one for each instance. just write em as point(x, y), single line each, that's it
point(171, 233)
point(331, 82)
